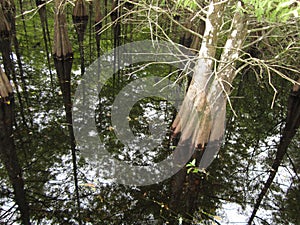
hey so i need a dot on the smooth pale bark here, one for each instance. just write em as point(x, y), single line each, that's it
point(202, 115)
point(195, 119)
point(226, 69)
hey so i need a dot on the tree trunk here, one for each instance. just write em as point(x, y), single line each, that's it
point(8, 153)
point(63, 59)
point(7, 34)
point(202, 115)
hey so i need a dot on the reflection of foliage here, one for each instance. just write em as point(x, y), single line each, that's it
point(290, 208)
point(139, 119)
point(239, 169)
point(289, 203)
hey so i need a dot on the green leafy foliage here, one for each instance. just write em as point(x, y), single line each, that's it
point(273, 10)
point(189, 4)
point(193, 168)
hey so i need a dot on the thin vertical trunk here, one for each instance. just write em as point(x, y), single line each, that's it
point(11, 14)
point(5, 37)
point(115, 14)
point(91, 5)
point(8, 153)
point(98, 25)
point(80, 20)
point(41, 4)
point(188, 39)
point(63, 58)
point(23, 21)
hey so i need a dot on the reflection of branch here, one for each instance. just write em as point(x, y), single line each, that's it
point(293, 166)
point(8, 211)
point(266, 222)
point(289, 131)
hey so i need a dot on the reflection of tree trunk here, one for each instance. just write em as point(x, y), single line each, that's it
point(191, 128)
point(8, 153)
point(194, 121)
point(7, 33)
point(5, 30)
point(63, 59)
point(185, 190)
point(289, 131)
point(44, 21)
point(12, 15)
